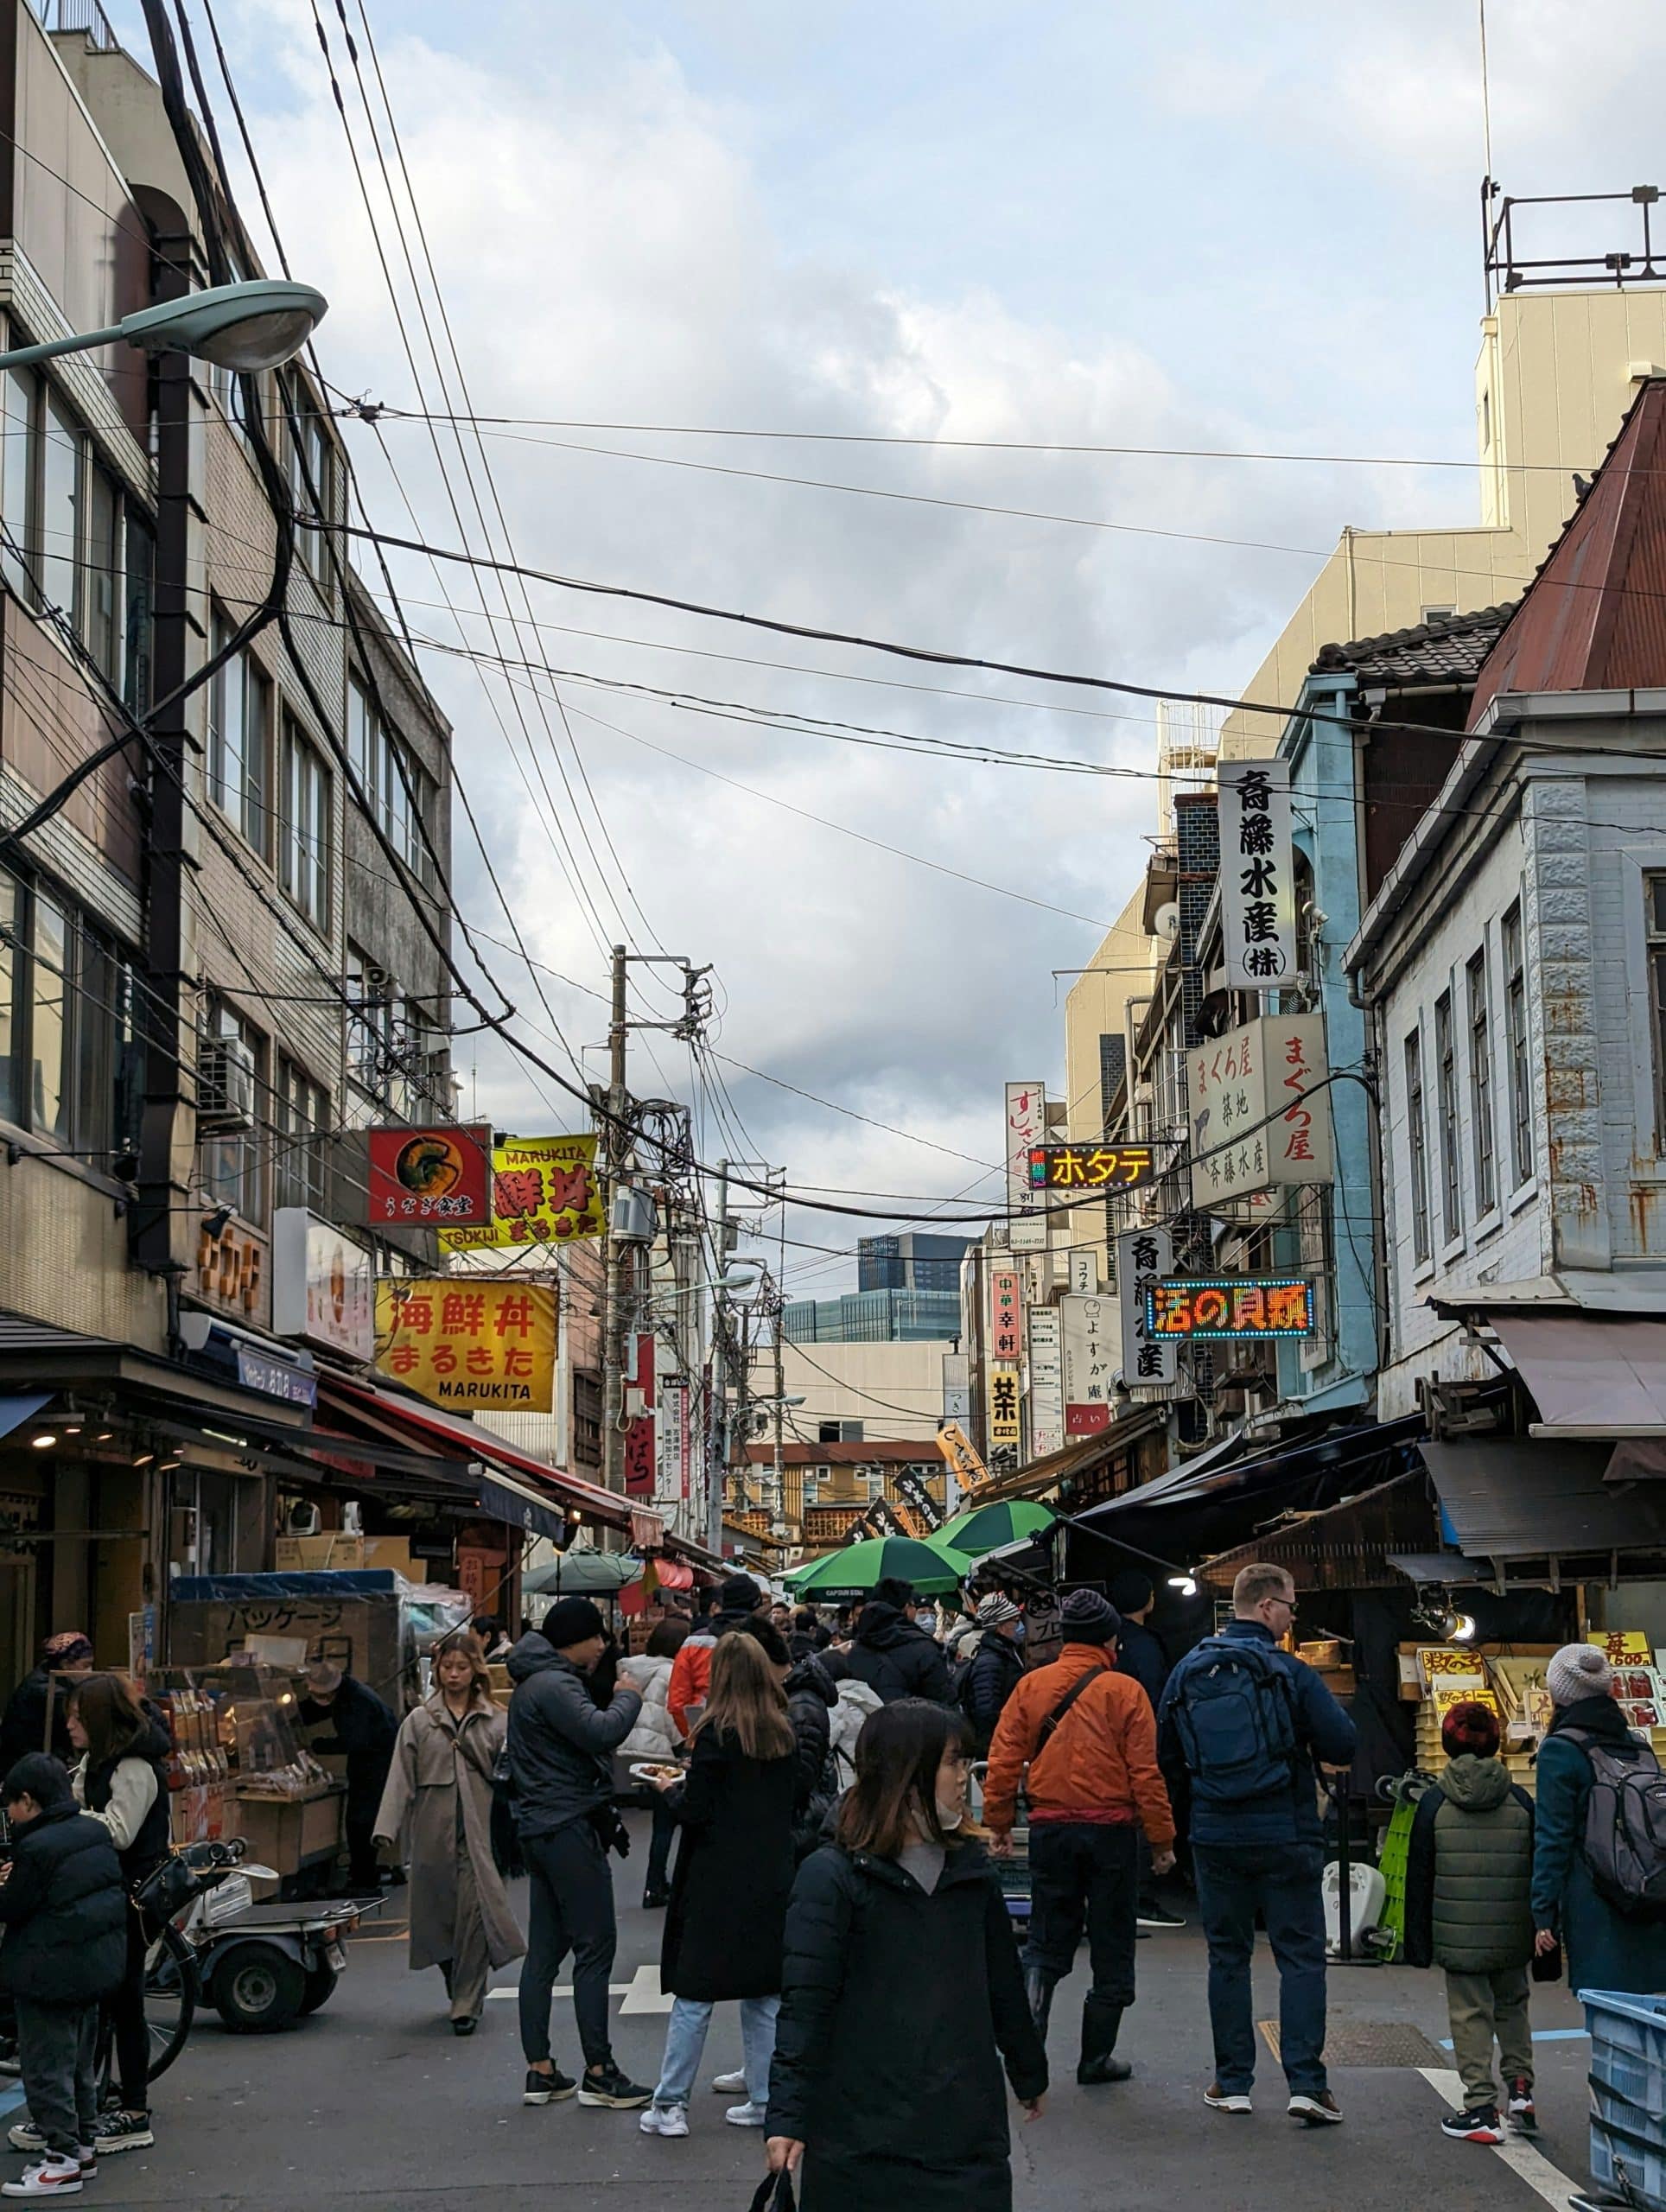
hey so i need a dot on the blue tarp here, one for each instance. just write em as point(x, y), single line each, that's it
point(247, 1589)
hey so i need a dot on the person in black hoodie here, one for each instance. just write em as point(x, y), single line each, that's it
point(344, 1715)
point(901, 1992)
point(122, 1781)
point(64, 1918)
point(1140, 1653)
point(23, 1724)
point(995, 1668)
point(894, 1657)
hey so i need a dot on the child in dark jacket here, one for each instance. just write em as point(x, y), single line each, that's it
point(1469, 1883)
point(64, 1912)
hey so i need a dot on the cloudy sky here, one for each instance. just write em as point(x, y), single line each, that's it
point(1201, 227)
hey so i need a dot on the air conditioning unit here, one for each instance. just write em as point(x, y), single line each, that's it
point(226, 1085)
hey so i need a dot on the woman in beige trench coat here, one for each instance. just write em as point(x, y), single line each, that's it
point(439, 1791)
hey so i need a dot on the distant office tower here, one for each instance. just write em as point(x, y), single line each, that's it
point(910, 1261)
point(873, 1316)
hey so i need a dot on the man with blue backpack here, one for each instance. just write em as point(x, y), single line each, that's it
point(1250, 1722)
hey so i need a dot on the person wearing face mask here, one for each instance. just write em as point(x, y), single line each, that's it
point(439, 1790)
point(872, 2102)
point(995, 1668)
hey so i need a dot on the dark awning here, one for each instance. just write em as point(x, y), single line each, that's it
point(1519, 1497)
point(1338, 1452)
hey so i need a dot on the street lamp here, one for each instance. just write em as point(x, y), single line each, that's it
point(243, 327)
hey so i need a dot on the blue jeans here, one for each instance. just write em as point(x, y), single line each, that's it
point(685, 2038)
point(1280, 1881)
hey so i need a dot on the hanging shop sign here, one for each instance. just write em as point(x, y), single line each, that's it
point(1084, 1272)
point(467, 1344)
point(1091, 1166)
point(1231, 1309)
point(640, 1455)
point(957, 1386)
point(960, 1456)
point(437, 1176)
point(915, 1490)
point(1143, 1257)
point(230, 1273)
point(323, 1285)
point(1001, 1409)
point(1027, 1126)
point(1046, 1381)
point(1005, 1314)
point(544, 1191)
point(1259, 1118)
point(676, 1442)
point(1089, 1342)
point(1258, 898)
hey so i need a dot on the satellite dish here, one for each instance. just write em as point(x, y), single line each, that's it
point(1168, 919)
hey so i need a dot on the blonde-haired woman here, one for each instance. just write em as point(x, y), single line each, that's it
point(439, 1789)
point(727, 1914)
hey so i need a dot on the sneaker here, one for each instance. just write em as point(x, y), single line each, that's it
point(1159, 1916)
point(656, 1898)
point(1321, 2111)
point(613, 2089)
point(124, 2130)
point(746, 2115)
point(1523, 2114)
point(51, 2177)
point(1219, 2099)
point(551, 2089)
point(663, 2119)
point(726, 2084)
point(26, 2136)
point(1480, 2125)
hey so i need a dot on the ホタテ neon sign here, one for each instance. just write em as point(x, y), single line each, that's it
point(1090, 1166)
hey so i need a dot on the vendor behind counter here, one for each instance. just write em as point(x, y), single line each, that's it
point(341, 1714)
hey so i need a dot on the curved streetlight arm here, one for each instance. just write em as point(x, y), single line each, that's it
point(257, 325)
point(22, 357)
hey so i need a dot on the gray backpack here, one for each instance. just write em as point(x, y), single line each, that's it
point(1624, 1840)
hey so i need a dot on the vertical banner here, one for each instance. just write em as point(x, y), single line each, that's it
point(1046, 1382)
point(1084, 1271)
point(639, 1455)
point(673, 1442)
point(1004, 1428)
point(1087, 1326)
point(1143, 1256)
point(1258, 899)
point(1027, 1125)
point(957, 1386)
point(1005, 1314)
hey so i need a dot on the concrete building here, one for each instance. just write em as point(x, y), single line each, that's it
point(874, 1316)
point(1554, 374)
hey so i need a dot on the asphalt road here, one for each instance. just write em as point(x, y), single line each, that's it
point(373, 2105)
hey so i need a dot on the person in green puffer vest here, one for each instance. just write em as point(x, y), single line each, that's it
point(1469, 1881)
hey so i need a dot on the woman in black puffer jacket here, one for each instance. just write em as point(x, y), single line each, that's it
point(892, 2104)
point(122, 1780)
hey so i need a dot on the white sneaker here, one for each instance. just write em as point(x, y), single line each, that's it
point(664, 2120)
point(51, 2177)
point(26, 2136)
point(727, 2084)
point(746, 2115)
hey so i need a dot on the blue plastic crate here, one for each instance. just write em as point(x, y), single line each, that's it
point(1628, 2089)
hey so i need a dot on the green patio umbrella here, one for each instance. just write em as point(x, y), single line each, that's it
point(582, 1573)
point(875, 1559)
point(984, 1528)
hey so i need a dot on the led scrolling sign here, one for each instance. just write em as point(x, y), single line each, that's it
point(1091, 1166)
point(1229, 1308)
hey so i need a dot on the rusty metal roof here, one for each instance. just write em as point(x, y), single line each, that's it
point(1594, 619)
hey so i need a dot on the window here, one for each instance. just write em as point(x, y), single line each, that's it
point(69, 1054)
point(304, 847)
point(361, 738)
point(59, 532)
point(15, 472)
point(304, 1117)
point(1484, 1135)
point(239, 736)
point(103, 597)
point(1445, 1062)
point(1654, 892)
point(1417, 1138)
point(370, 1022)
point(230, 1162)
point(1521, 1094)
point(393, 782)
point(138, 621)
point(312, 474)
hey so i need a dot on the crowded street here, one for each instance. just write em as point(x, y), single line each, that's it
point(373, 2104)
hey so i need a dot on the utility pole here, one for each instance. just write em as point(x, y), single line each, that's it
point(777, 1491)
point(616, 1140)
point(717, 1436)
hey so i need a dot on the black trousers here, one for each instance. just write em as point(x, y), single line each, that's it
point(570, 1908)
point(128, 2029)
point(1084, 1871)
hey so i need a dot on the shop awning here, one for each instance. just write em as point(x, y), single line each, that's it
point(14, 1412)
point(1591, 1374)
point(1079, 1456)
point(1210, 1477)
point(34, 1355)
point(1342, 1547)
point(1516, 1497)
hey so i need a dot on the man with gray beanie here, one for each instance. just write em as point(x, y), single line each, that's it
point(1089, 1739)
point(995, 1668)
point(560, 1751)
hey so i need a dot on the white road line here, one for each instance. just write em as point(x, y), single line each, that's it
point(1517, 2152)
point(614, 1989)
point(646, 1995)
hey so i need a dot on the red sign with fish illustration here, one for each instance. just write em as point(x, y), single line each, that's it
point(440, 1176)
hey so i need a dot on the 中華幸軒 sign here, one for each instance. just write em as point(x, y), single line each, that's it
point(1226, 1309)
point(1090, 1166)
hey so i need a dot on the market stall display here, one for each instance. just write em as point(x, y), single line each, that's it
point(237, 1767)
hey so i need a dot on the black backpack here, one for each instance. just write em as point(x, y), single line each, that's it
point(1625, 1842)
point(1236, 1720)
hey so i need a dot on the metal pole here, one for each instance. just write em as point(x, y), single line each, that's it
point(612, 1297)
point(777, 1481)
point(717, 1442)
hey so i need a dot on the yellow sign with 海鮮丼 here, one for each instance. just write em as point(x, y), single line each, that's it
point(544, 1191)
point(469, 1345)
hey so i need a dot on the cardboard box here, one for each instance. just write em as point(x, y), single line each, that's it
point(289, 1834)
point(311, 1555)
point(366, 1635)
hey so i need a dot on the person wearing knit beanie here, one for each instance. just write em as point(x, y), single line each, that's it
point(1087, 1618)
point(571, 1621)
point(1470, 1727)
point(1579, 1670)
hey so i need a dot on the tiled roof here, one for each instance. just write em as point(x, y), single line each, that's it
point(1594, 619)
point(1447, 648)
